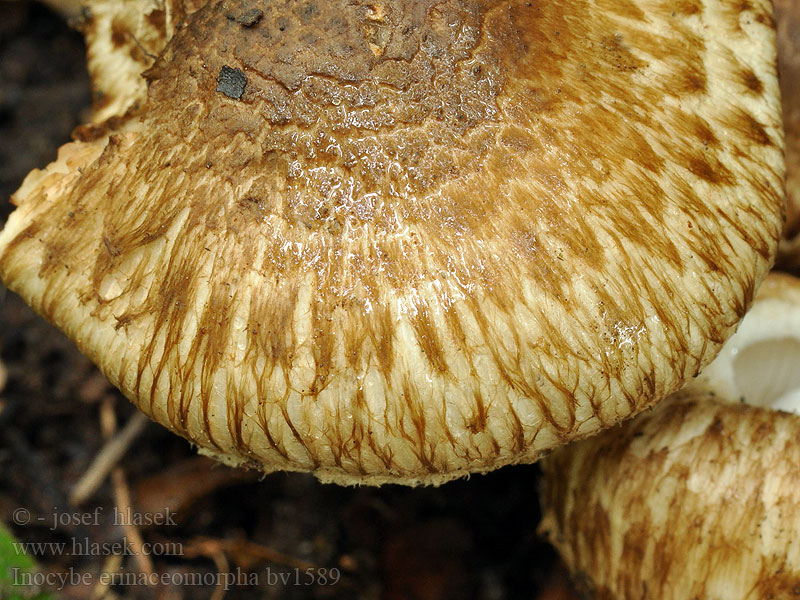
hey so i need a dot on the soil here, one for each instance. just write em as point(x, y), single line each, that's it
point(294, 537)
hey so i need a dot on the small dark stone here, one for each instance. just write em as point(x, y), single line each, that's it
point(231, 82)
point(248, 18)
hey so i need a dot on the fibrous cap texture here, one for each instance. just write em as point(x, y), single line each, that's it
point(407, 240)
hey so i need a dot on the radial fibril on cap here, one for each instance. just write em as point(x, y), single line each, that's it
point(425, 239)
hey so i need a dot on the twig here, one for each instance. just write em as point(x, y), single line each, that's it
point(113, 450)
point(122, 496)
point(203, 546)
point(222, 565)
point(102, 591)
point(3, 376)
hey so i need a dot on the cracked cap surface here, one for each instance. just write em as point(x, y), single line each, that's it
point(408, 240)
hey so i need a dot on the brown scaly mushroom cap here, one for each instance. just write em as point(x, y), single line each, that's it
point(406, 240)
point(699, 498)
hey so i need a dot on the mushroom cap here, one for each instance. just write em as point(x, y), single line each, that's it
point(699, 498)
point(404, 241)
point(123, 39)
